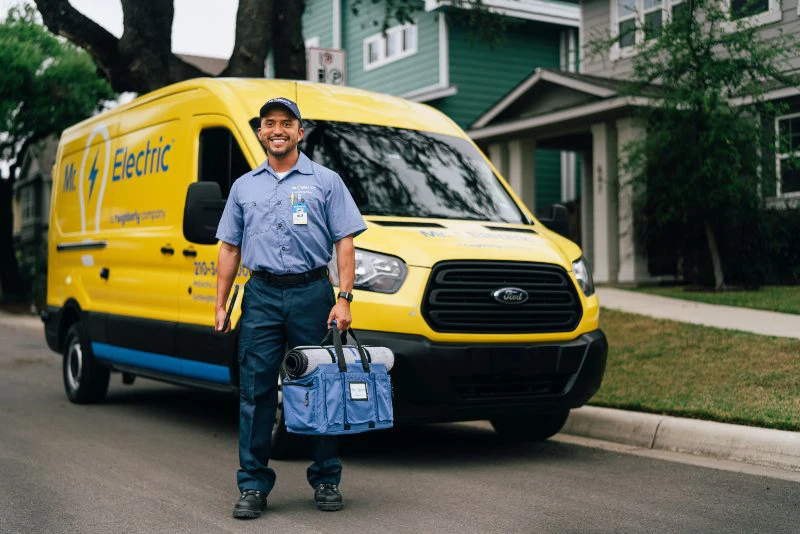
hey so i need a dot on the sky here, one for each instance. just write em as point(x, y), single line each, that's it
point(200, 27)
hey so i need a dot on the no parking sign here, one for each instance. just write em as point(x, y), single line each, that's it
point(326, 65)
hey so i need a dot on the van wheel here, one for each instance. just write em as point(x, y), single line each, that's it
point(85, 381)
point(530, 428)
point(285, 445)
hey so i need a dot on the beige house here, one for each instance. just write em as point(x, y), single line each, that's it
point(584, 112)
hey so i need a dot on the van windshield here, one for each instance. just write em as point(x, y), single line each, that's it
point(409, 173)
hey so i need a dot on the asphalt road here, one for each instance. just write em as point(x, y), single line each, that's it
point(158, 458)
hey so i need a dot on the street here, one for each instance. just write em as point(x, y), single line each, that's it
point(159, 458)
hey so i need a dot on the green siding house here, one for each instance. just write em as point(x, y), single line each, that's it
point(439, 61)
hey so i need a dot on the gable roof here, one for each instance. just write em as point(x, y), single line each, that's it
point(530, 97)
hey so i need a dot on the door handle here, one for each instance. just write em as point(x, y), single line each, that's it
point(167, 250)
point(189, 253)
point(104, 272)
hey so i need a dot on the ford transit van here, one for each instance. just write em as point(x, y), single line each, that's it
point(491, 314)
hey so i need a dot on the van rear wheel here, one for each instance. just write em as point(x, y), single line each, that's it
point(85, 381)
point(530, 428)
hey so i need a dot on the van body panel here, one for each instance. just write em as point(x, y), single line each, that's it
point(424, 246)
point(146, 295)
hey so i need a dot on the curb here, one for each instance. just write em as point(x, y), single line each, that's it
point(759, 446)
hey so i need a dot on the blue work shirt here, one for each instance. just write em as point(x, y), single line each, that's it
point(258, 217)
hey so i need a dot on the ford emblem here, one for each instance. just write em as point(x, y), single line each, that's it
point(510, 295)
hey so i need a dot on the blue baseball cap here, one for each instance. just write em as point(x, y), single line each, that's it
point(280, 102)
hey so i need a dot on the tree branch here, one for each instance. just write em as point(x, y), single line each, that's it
point(289, 48)
point(63, 19)
point(253, 39)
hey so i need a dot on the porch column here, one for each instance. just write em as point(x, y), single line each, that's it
point(604, 182)
point(498, 154)
point(587, 209)
point(632, 259)
point(522, 170)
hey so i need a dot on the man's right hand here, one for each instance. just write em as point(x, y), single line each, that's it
point(221, 314)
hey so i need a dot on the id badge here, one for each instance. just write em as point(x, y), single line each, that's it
point(299, 213)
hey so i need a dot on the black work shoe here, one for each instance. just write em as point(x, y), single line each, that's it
point(328, 498)
point(250, 505)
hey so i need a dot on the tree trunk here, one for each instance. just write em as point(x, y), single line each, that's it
point(11, 281)
point(719, 280)
point(288, 46)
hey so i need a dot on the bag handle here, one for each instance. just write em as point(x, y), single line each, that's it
point(337, 346)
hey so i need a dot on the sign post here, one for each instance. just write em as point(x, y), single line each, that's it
point(326, 65)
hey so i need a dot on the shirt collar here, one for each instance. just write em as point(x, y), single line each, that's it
point(303, 166)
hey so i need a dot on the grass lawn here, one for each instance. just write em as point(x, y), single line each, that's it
point(773, 298)
point(695, 371)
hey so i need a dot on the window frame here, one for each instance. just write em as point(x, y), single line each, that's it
point(779, 156)
point(381, 41)
point(773, 14)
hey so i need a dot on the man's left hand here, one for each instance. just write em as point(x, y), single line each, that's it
point(341, 312)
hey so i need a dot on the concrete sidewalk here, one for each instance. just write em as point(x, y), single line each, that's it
point(745, 319)
point(752, 445)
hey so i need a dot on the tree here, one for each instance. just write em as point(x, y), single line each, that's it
point(702, 166)
point(142, 59)
point(45, 85)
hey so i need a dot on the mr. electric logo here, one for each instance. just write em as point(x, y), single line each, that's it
point(128, 164)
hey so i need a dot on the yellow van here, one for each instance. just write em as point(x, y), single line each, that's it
point(491, 314)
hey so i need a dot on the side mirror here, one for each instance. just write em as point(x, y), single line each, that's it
point(202, 213)
point(558, 221)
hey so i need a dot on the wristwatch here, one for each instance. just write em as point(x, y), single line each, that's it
point(346, 295)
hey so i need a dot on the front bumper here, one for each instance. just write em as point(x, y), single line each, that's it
point(461, 382)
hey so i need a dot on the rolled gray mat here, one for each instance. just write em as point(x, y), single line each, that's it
point(301, 361)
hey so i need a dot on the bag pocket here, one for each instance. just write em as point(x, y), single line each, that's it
point(383, 394)
point(300, 406)
point(334, 398)
point(359, 395)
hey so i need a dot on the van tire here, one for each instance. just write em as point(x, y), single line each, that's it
point(530, 428)
point(285, 445)
point(85, 381)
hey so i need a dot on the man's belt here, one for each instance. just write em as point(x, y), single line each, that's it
point(291, 279)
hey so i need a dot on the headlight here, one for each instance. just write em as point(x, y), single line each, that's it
point(583, 276)
point(374, 272)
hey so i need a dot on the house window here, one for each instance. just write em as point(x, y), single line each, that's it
point(637, 21)
point(653, 18)
point(788, 155)
point(28, 203)
point(748, 8)
point(397, 43)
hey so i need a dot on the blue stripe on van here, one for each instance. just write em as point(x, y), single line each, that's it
point(166, 364)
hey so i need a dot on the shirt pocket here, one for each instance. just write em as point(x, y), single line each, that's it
point(314, 215)
point(257, 217)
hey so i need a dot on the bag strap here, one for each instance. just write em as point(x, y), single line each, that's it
point(365, 359)
point(337, 345)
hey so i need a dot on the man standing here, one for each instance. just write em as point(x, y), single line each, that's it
point(282, 220)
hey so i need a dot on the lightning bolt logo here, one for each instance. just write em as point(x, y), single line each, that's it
point(93, 174)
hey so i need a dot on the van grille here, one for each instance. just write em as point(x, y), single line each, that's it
point(459, 298)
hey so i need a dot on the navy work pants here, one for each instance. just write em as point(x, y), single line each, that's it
point(272, 318)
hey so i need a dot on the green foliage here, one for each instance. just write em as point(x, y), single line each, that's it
point(705, 159)
point(46, 84)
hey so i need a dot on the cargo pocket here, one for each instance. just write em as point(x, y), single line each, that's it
point(359, 402)
point(383, 391)
point(334, 407)
point(300, 407)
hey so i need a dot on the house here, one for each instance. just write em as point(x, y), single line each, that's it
point(584, 112)
point(31, 209)
point(441, 62)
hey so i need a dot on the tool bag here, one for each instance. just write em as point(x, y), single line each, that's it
point(339, 397)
